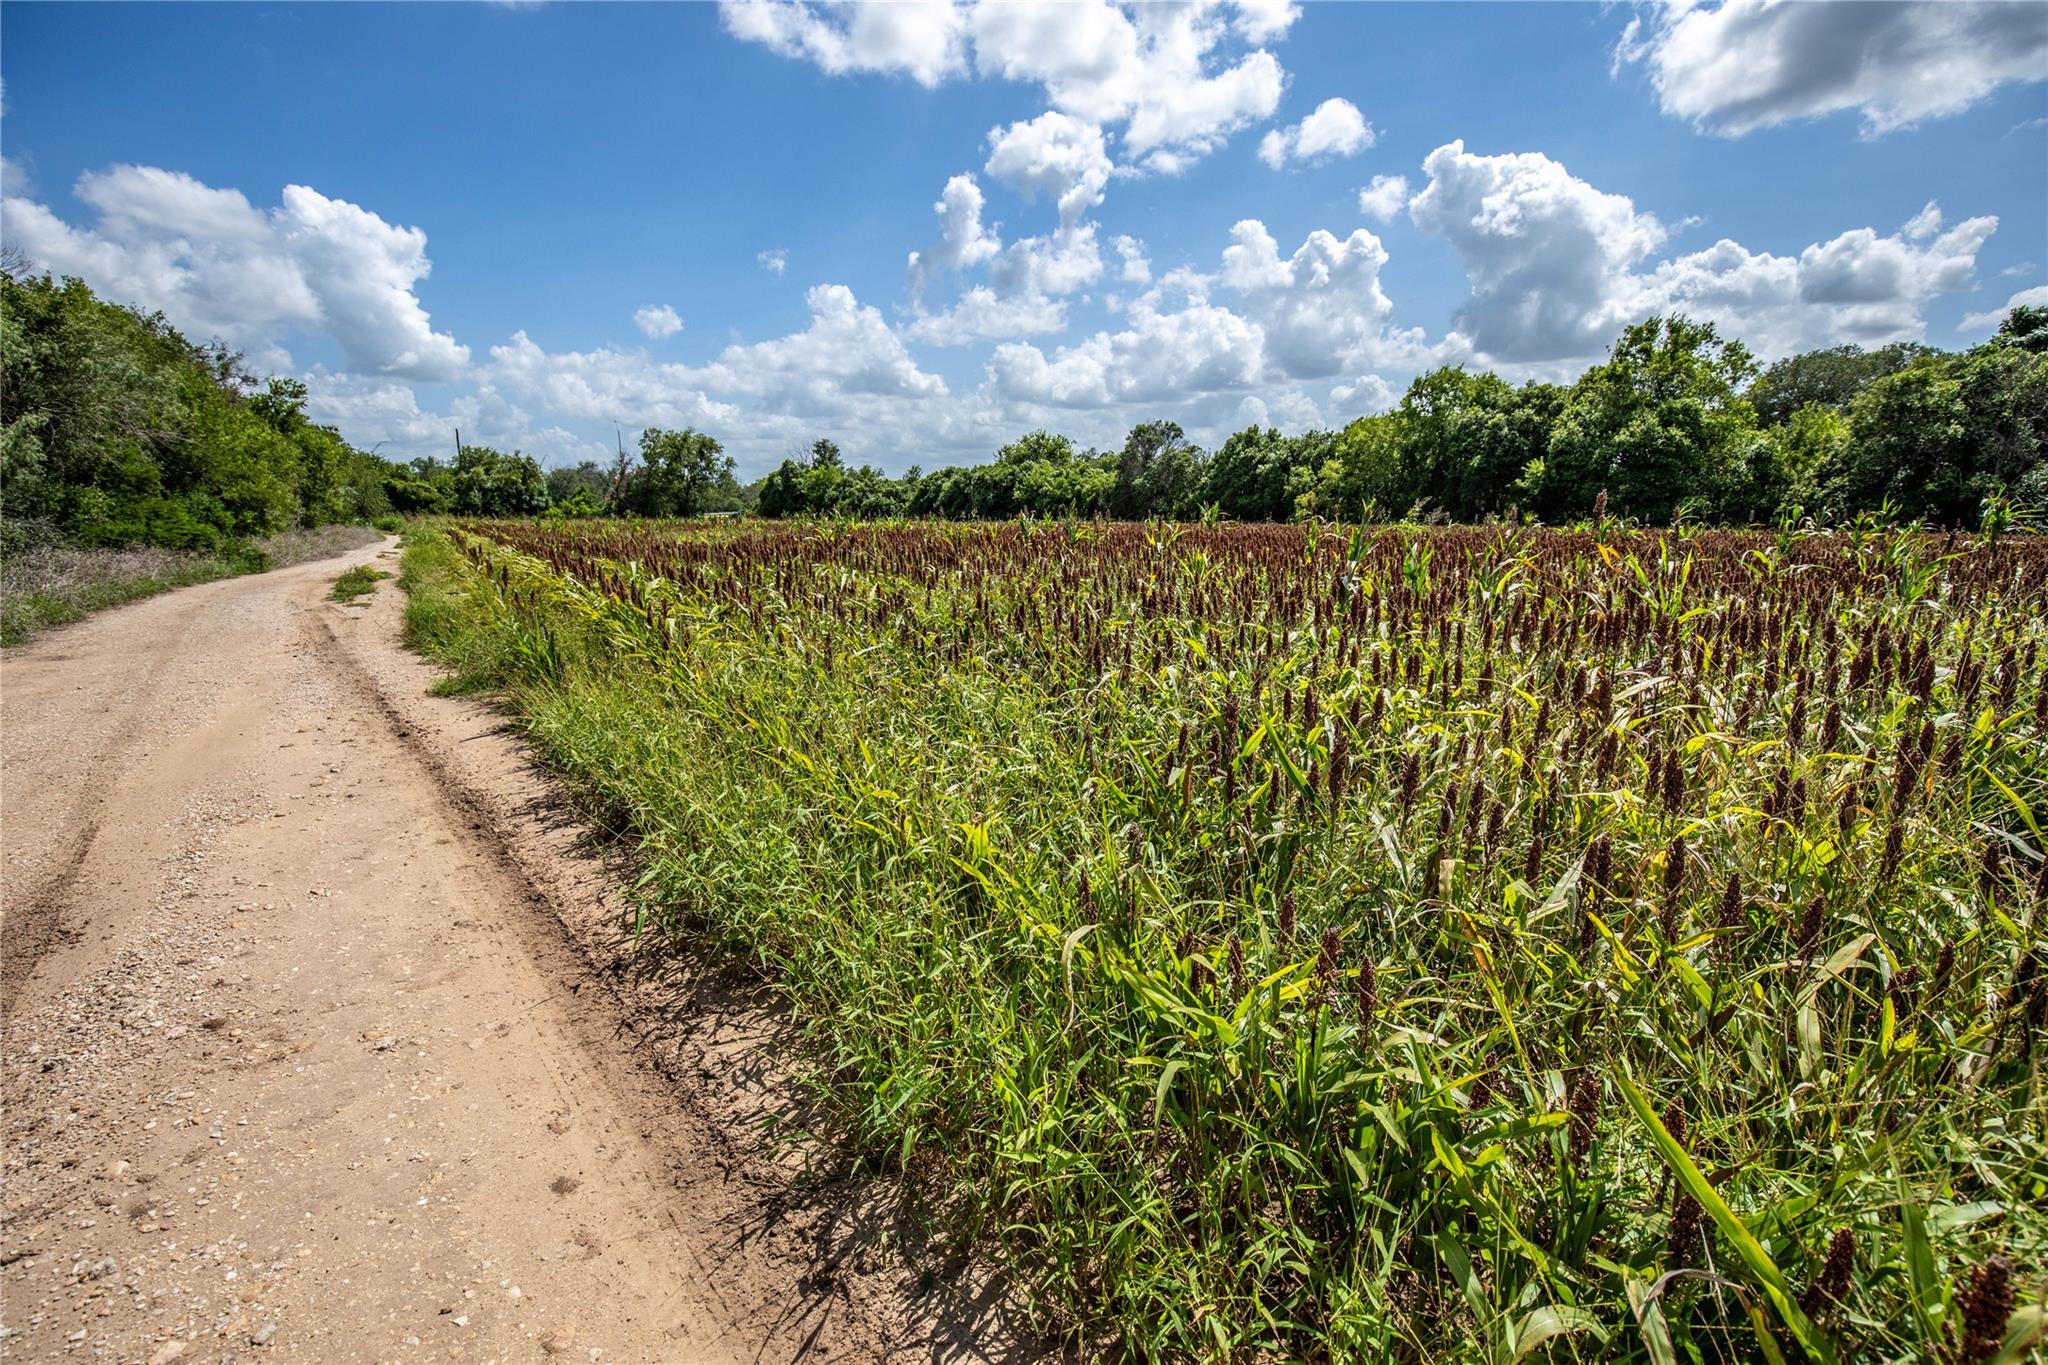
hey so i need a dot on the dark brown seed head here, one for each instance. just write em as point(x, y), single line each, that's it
point(1808, 937)
point(1532, 866)
point(1991, 871)
point(1944, 964)
point(1674, 1121)
point(1600, 863)
point(1731, 902)
point(1329, 956)
point(1894, 849)
point(1237, 964)
point(1682, 1245)
point(1287, 918)
point(1901, 989)
point(1832, 1282)
point(1674, 782)
point(1984, 1304)
point(1584, 1107)
point(1367, 990)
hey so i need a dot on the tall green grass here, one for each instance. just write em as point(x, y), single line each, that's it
point(1283, 945)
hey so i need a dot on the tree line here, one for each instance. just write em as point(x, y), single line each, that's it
point(115, 429)
point(1678, 421)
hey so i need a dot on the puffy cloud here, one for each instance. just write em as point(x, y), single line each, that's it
point(1367, 394)
point(1261, 21)
point(1321, 309)
point(1291, 410)
point(1137, 268)
point(847, 352)
point(847, 349)
point(1056, 155)
point(773, 261)
point(605, 385)
point(1748, 64)
point(1174, 78)
point(657, 320)
point(846, 373)
point(373, 411)
point(1925, 223)
point(218, 266)
point(963, 241)
point(1548, 255)
point(1151, 69)
point(1060, 263)
point(1160, 357)
point(1310, 316)
point(1557, 268)
point(922, 39)
point(1383, 200)
point(2036, 297)
point(981, 313)
point(1336, 128)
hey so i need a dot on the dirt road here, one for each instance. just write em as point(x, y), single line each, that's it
point(322, 1042)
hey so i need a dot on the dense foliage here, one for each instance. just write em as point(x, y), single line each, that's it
point(1308, 943)
point(1676, 422)
point(119, 431)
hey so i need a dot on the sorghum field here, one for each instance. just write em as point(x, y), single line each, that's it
point(1315, 943)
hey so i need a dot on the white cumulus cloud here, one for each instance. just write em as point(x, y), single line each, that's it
point(922, 39)
point(963, 241)
point(981, 314)
point(1336, 128)
point(774, 260)
point(1176, 80)
point(1137, 267)
point(1741, 65)
point(658, 320)
point(1383, 200)
point(218, 266)
point(1055, 155)
point(1558, 267)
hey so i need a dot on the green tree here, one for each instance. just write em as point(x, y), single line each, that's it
point(1251, 475)
point(1159, 473)
point(490, 484)
point(679, 472)
point(564, 481)
point(1467, 440)
point(1832, 377)
point(1064, 488)
point(2025, 328)
point(1364, 470)
point(1661, 424)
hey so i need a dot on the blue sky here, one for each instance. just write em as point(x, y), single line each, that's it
point(1155, 212)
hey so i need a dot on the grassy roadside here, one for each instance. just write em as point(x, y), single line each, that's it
point(54, 584)
point(1225, 1065)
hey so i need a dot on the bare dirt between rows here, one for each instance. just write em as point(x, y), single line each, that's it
point(325, 1038)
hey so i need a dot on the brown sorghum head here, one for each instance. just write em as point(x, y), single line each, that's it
point(1984, 1304)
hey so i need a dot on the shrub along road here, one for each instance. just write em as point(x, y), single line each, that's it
point(320, 1045)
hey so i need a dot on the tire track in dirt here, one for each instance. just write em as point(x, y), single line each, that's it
point(341, 1051)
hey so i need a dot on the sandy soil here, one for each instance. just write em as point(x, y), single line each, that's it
point(324, 1041)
